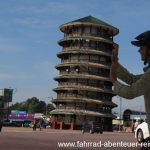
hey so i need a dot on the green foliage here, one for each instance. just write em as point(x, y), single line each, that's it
point(31, 105)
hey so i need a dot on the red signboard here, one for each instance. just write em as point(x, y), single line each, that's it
point(4, 110)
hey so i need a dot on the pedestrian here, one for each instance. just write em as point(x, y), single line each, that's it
point(137, 85)
point(1, 125)
point(40, 124)
point(136, 124)
point(34, 124)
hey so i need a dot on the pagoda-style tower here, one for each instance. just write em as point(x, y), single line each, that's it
point(84, 89)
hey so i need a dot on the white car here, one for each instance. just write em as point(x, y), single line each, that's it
point(142, 132)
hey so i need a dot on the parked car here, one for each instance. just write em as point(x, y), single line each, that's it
point(92, 127)
point(26, 123)
point(142, 132)
point(6, 122)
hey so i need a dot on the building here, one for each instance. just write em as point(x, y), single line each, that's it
point(5, 99)
point(84, 89)
point(129, 115)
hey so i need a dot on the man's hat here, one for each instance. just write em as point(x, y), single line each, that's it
point(142, 40)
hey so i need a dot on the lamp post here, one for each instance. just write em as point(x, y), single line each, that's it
point(140, 112)
point(46, 109)
point(120, 112)
point(51, 98)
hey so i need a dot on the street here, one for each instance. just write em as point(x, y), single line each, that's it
point(12, 138)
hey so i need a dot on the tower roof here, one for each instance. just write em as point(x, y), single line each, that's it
point(92, 20)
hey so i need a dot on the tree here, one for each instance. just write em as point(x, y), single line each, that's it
point(41, 107)
point(31, 105)
point(17, 106)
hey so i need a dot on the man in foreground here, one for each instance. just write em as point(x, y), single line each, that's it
point(137, 85)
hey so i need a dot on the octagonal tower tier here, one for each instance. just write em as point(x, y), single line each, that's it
point(84, 89)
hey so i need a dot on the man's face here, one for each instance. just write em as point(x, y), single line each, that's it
point(143, 52)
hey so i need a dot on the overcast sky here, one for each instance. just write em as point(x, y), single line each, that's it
point(29, 31)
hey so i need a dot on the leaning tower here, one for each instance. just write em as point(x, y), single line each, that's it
point(84, 89)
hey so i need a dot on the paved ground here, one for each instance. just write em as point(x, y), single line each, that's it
point(12, 138)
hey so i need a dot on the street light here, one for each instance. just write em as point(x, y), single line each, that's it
point(140, 112)
point(49, 103)
point(120, 98)
point(51, 97)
